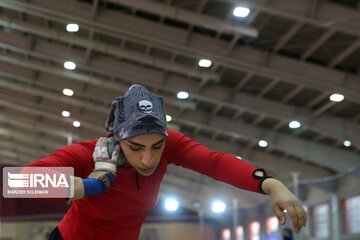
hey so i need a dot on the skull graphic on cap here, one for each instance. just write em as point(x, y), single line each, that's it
point(145, 106)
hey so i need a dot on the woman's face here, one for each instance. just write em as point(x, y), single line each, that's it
point(143, 152)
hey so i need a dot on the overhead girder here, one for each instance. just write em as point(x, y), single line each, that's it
point(164, 37)
point(315, 152)
point(190, 17)
point(338, 125)
point(324, 124)
point(321, 154)
point(17, 144)
point(302, 152)
point(326, 15)
point(36, 110)
point(12, 159)
point(21, 137)
point(324, 11)
point(20, 150)
point(49, 130)
point(188, 173)
point(273, 164)
point(59, 131)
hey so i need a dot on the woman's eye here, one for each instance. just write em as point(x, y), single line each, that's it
point(134, 149)
point(157, 147)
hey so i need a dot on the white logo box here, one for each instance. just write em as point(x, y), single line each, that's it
point(38, 182)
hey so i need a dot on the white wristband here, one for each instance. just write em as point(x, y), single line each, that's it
point(105, 166)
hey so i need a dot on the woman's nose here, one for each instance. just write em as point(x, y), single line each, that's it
point(147, 158)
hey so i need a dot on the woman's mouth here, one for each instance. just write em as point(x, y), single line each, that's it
point(147, 170)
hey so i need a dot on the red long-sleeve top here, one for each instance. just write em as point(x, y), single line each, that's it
point(119, 212)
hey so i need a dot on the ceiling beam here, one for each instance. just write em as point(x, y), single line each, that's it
point(263, 160)
point(20, 150)
point(164, 37)
point(328, 14)
point(41, 110)
point(29, 89)
point(242, 101)
point(273, 164)
point(316, 45)
point(12, 159)
point(194, 18)
point(315, 152)
point(57, 130)
point(19, 136)
point(238, 130)
point(217, 95)
point(16, 130)
point(345, 53)
point(114, 50)
point(287, 36)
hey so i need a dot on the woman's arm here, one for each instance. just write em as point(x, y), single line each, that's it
point(103, 175)
point(225, 167)
point(91, 185)
point(83, 157)
point(78, 188)
point(282, 199)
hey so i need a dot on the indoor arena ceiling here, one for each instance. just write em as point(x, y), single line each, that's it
point(281, 63)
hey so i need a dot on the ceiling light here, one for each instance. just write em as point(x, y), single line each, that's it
point(294, 124)
point(72, 27)
point(262, 143)
point(205, 63)
point(218, 207)
point(182, 95)
point(336, 97)
point(76, 124)
point(65, 113)
point(347, 143)
point(69, 65)
point(68, 92)
point(168, 118)
point(171, 205)
point(241, 12)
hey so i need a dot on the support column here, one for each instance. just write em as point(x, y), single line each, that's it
point(69, 139)
point(335, 233)
point(201, 224)
point(235, 218)
point(295, 177)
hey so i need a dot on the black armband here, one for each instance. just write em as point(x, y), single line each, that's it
point(261, 174)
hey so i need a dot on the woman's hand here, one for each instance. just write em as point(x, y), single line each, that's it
point(104, 162)
point(103, 165)
point(282, 199)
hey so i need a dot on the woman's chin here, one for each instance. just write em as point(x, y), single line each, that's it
point(146, 172)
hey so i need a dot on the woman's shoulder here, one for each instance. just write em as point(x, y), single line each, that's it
point(90, 144)
point(176, 138)
point(173, 136)
point(79, 149)
point(173, 133)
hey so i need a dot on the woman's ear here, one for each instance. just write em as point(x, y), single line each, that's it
point(121, 158)
point(111, 145)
